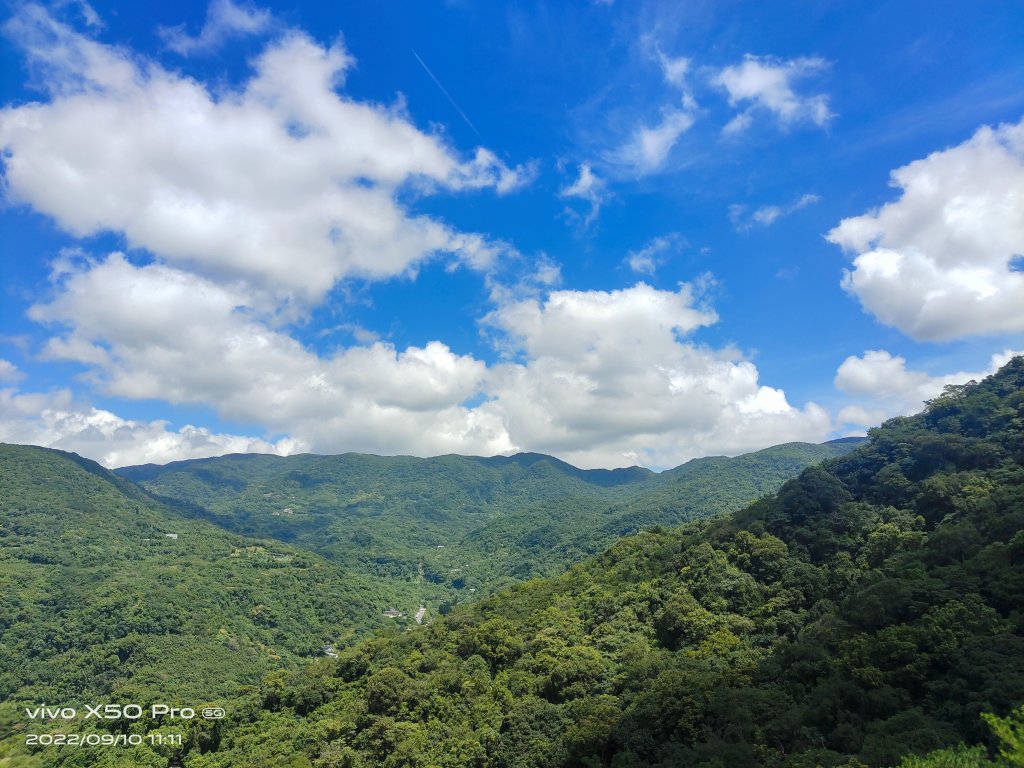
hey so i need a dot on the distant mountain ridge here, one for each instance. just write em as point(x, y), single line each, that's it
point(601, 477)
point(465, 521)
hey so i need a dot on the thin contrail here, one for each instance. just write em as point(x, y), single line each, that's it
point(447, 95)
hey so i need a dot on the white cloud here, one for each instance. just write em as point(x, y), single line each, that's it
point(359, 333)
point(590, 188)
point(646, 260)
point(546, 272)
point(55, 420)
point(226, 190)
point(609, 379)
point(881, 386)
point(9, 371)
point(158, 332)
point(766, 215)
point(738, 124)
point(607, 327)
point(649, 146)
point(224, 20)
point(87, 13)
point(601, 378)
point(937, 262)
point(233, 185)
point(767, 84)
point(673, 69)
point(92, 18)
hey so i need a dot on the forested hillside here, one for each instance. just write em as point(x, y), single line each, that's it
point(461, 523)
point(105, 592)
point(109, 592)
point(872, 609)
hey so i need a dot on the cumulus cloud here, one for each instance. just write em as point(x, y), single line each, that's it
point(601, 378)
point(224, 20)
point(880, 385)
point(766, 215)
point(232, 185)
point(56, 420)
point(767, 84)
point(939, 262)
point(608, 378)
point(254, 202)
point(158, 332)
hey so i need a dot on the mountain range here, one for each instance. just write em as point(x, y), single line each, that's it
point(866, 611)
point(193, 581)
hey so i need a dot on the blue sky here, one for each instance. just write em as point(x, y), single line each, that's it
point(615, 232)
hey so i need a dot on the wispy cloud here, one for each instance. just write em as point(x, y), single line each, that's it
point(674, 69)
point(766, 215)
point(646, 260)
point(590, 188)
point(224, 20)
point(767, 84)
point(86, 11)
point(648, 146)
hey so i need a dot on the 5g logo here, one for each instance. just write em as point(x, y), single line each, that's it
point(213, 713)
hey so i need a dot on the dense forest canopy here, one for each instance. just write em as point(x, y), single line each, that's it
point(461, 523)
point(109, 591)
point(871, 610)
point(103, 589)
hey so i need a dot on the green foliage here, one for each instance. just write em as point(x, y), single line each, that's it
point(954, 757)
point(109, 593)
point(1010, 732)
point(99, 604)
point(461, 527)
point(868, 614)
point(1009, 748)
